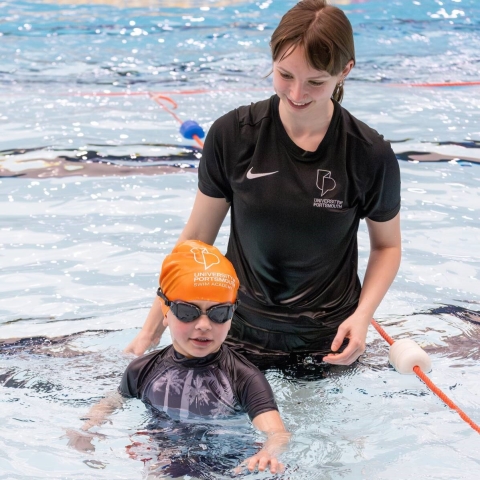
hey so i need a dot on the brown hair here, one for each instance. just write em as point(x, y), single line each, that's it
point(323, 31)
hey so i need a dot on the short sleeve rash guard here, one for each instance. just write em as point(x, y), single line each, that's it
point(295, 214)
point(218, 385)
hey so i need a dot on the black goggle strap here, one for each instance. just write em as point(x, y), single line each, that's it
point(163, 297)
point(168, 302)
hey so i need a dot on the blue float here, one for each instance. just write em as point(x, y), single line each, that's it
point(190, 128)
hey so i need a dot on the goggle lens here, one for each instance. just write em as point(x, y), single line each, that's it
point(187, 312)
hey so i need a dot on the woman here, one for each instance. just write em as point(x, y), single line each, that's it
point(299, 172)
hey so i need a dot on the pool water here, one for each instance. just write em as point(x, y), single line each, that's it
point(81, 248)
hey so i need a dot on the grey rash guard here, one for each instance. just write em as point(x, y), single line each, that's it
point(221, 384)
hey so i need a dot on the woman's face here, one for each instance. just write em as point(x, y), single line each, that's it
point(301, 88)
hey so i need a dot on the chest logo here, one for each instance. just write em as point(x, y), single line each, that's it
point(204, 257)
point(251, 175)
point(325, 182)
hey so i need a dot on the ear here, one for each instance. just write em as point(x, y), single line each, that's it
point(165, 319)
point(348, 68)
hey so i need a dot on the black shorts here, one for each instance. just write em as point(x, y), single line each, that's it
point(281, 339)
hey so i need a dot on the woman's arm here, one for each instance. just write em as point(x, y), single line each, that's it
point(205, 220)
point(204, 223)
point(151, 332)
point(278, 438)
point(383, 263)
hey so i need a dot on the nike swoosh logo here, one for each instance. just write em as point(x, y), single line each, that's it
point(251, 175)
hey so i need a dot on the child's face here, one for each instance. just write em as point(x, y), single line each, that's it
point(200, 337)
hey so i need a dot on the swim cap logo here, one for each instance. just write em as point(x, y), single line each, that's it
point(325, 182)
point(204, 257)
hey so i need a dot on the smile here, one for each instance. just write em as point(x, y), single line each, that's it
point(299, 104)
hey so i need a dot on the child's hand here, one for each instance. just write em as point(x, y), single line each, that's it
point(261, 460)
point(80, 440)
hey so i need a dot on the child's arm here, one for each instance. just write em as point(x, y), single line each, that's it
point(97, 415)
point(278, 438)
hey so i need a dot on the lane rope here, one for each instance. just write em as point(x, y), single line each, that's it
point(189, 129)
point(421, 375)
point(436, 84)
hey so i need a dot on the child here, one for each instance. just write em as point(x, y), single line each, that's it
point(198, 376)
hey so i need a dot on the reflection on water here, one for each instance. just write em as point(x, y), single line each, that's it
point(459, 312)
point(202, 4)
point(207, 451)
point(47, 163)
point(69, 72)
point(80, 260)
point(171, 158)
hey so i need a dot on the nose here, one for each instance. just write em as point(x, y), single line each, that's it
point(203, 323)
point(296, 91)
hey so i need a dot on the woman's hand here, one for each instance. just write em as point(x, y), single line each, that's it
point(151, 332)
point(383, 263)
point(141, 343)
point(355, 329)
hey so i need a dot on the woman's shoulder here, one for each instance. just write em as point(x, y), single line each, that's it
point(367, 146)
point(255, 113)
point(360, 131)
point(245, 115)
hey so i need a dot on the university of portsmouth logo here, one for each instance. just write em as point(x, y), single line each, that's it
point(204, 257)
point(325, 183)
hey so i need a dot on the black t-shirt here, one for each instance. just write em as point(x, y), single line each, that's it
point(295, 216)
point(219, 385)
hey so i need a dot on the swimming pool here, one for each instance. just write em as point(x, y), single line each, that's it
point(80, 253)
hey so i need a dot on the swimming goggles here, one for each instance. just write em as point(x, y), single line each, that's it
point(187, 312)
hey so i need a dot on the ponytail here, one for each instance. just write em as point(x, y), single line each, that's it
point(338, 92)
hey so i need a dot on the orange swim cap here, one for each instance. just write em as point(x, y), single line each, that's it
point(197, 271)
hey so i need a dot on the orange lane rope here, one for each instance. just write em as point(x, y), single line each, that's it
point(159, 99)
point(420, 374)
point(199, 91)
point(195, 91)
point(436, 84)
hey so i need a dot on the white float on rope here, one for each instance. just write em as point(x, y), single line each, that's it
point(406, 354)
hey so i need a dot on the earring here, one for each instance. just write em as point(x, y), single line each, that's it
point(341, 83)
